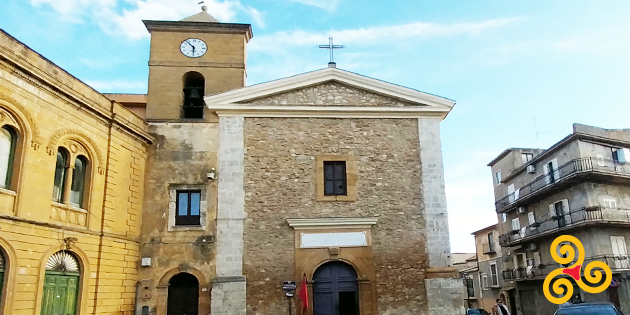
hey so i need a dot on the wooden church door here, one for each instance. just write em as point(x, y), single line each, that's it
point(335, 290)
point(183, 295)
point(61, 285)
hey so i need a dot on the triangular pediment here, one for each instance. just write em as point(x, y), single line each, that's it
point(331, 89)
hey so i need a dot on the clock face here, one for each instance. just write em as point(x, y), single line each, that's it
point(193, 47)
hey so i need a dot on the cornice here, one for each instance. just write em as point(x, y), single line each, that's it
point(308, 111)
point(200, 27)
point(327, 223)
point(193, 64)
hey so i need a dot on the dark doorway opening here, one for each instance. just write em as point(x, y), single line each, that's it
point(183, 295)
point(347, 303)
point(335, 290)
point(512, 295)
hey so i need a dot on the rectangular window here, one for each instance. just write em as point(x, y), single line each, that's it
point(504, 217)
point(610, 203)
point(527, 157)
point(188, 207)
point(531, 218)
point(497, 177)
point(494, 275)
point(335, 178)
point(516, 224)
point(490, 242)
point(511, 193)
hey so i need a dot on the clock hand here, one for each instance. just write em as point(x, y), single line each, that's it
point(191, 45)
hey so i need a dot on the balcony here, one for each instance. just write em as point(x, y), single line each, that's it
point(572, 219)
point(487, 249)
point(616, 263)
point(567, 175)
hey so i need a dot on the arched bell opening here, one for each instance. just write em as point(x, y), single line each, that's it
point(194, 89)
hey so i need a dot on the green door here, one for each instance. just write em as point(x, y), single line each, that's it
point(60, 293)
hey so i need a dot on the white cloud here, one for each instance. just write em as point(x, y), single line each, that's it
point(328, 5)
point(117, 86)
point(378, 35)
point(125, 16)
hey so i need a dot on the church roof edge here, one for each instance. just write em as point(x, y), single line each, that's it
point(431, 102)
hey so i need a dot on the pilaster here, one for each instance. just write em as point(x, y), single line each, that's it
point(445, 291)
point(228, 289)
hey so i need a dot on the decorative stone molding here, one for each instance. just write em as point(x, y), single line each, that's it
point(64, 213)
point(24, 117)
point(83, 139)
point(328, 223)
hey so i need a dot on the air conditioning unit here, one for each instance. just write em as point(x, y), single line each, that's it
point(531, 169)
point(532, 246)
point(521, 209)
point(621, 156)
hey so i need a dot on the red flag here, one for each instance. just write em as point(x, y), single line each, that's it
point(304, 294)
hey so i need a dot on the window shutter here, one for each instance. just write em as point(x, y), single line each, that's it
point(536, 258)
point(531, 218)
point(565, 206)
point(552, 210)
point(516, 225)
point(516, 193)
point(556, 171)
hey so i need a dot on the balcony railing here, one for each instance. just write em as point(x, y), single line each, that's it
point(568, 170)
point(576, 217)
point(615, 262)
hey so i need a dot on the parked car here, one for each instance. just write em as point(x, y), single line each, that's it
point(589, 309)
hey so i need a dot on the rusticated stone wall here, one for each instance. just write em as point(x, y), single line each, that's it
point(280, 183)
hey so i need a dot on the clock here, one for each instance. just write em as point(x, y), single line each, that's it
point(193, 47)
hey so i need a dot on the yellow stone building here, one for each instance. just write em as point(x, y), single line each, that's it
point(60, 138)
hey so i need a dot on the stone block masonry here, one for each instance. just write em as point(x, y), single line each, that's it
point(228, 289)
point(435, 212)
point(444, 293)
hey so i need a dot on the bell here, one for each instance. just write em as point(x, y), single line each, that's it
point(194, 94)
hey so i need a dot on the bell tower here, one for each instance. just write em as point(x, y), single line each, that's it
point(191, 58)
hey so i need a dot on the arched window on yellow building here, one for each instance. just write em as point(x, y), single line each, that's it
point(70, 179)
point(8, 138)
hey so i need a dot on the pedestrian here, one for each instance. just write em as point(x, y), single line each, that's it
point(500, 308)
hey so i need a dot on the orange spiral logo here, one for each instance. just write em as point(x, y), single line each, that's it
point(574, 271)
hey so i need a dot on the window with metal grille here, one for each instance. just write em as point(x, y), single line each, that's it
point(335, 178)
point(188, 204)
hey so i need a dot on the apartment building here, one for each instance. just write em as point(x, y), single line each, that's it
point(489, 267)
point(580, 186)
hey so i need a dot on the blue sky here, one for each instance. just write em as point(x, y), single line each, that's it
point(510, 65)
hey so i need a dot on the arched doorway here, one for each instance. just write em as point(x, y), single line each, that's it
point(335, 290)
point(61, 284)
point(183, 295)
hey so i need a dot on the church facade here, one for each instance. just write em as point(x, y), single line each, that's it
point(328, 177)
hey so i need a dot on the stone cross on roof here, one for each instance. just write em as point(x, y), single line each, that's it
point(331, 47)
